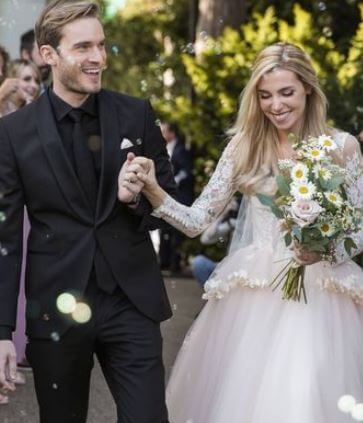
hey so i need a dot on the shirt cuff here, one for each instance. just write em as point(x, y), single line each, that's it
point(5, 333)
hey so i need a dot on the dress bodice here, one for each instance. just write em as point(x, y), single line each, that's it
point(265, 227)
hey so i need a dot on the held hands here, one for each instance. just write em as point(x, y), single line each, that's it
point(8, 367)
point(129, 185)
point(138, 175)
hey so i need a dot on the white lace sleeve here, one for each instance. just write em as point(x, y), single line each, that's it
point(207, 207)
point(354, 186)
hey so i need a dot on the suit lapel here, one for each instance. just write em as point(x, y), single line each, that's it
point(111, 159)
point(57, 157)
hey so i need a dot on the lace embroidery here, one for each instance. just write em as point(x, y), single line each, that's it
point(354, 189)
point(208, 206)
point(217, 289)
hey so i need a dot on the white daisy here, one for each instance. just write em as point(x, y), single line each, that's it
point(326, 229)
point(334, 198)
point(285, 163)
point(316, 153)
point(303, 191)
point(326, 142)
point(299, 173)
point(322, 172)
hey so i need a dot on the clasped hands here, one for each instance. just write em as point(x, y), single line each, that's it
point(137, 175)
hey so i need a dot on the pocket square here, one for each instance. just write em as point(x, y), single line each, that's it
point(126, 143)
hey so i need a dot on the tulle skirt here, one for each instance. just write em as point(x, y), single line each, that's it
point(251, 357)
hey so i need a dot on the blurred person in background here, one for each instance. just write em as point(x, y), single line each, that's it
point(22, 87)
point(23, 82)
point(182, 165)
point(4, 58)
point(29, 50)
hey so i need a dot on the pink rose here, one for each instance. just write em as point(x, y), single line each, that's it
point(305, 212)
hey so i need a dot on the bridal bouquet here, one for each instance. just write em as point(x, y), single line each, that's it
point(312, 204)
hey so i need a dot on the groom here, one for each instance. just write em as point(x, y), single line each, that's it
point(93, 284)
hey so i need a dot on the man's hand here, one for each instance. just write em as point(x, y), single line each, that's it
point(8, 366)
point(129, 185)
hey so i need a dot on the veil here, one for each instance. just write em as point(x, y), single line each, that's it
point(243, 233)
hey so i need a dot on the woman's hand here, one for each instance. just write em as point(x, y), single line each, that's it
point(147, 176)
point(8, 87)
point(304, 256)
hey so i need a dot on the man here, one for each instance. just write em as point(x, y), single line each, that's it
point(182, 164)
point(92, 282)
point(29, 50)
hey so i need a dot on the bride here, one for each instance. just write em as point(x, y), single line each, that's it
point(252, 357)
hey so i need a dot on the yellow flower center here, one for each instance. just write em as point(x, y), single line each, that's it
point(328, 143)
point(315, 153)
point(299, 173)
point(325, 227)
point(333, 197)
point(303, 190)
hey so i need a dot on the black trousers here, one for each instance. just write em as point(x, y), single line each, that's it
point(128, 346)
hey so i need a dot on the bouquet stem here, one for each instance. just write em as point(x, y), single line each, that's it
point(292, 279)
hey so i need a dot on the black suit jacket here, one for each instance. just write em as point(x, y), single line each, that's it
point(35, 171)
point(181, 160)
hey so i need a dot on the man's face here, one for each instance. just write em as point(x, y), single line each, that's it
point(167, 133)
point(80, 58)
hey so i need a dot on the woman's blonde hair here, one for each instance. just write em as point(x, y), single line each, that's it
point(15, 67)
point(48, 29)
point(253, 136)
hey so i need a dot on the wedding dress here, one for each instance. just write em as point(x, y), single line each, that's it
point(252, 357)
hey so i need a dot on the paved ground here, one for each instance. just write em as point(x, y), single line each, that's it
point(185, 297)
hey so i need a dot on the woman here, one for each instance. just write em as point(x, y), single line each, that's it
point(252, 357)
point(22, 87)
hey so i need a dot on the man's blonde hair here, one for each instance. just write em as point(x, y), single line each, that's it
point(48, 29)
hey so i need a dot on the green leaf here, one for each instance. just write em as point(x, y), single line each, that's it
point(334, 182)
point(277, 212)
point(288, 239)
point(296, 230)
point(349, 244)
point(266, 200)
point(283, 185)
point(317, 246)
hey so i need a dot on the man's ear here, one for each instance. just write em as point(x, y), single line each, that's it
point(49, 54)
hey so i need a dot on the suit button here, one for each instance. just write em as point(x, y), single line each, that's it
point(46, 317)
point(114, 236)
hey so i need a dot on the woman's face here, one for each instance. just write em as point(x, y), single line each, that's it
point(30, 83)
point(282, 98)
